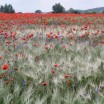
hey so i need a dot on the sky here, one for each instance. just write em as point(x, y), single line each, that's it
point(46, 5)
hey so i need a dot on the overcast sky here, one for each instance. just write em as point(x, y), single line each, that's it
point(46, 5)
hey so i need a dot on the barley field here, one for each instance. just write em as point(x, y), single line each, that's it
point(51, 58)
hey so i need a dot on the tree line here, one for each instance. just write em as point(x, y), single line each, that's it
point(57, 8)
point(7, 8)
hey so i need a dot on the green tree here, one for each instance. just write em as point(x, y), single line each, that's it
point(71, 10)
point(38, 11)
point(58, 8)
point(7, 9)
point(1, 8)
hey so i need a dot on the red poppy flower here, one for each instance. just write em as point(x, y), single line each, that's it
point(4, 74)
point(36, 44)
point(56, 65)
point(67, 76)
point(53, 71)
point(1, 76)
point(72, 36)
point(51, 45)
point(46, 47)
point(64, 46)
point(56, 37)
point(48, 35)
point(70, 44)
point(5, 67)
point(44, 83)
point(8, 42)
point(30, 36)
point(0, 57)
point(23, 39)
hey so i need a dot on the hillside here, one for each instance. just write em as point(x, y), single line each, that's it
point(98, 10)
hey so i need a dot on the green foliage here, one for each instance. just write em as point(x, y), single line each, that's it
point(7, 9)
point(58, 8)
point(90, 12)
point(38, 11)
point(71, 10)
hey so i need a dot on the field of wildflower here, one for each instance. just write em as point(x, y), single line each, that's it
point(51, 58)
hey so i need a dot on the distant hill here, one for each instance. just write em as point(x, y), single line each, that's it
point(96, 10)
